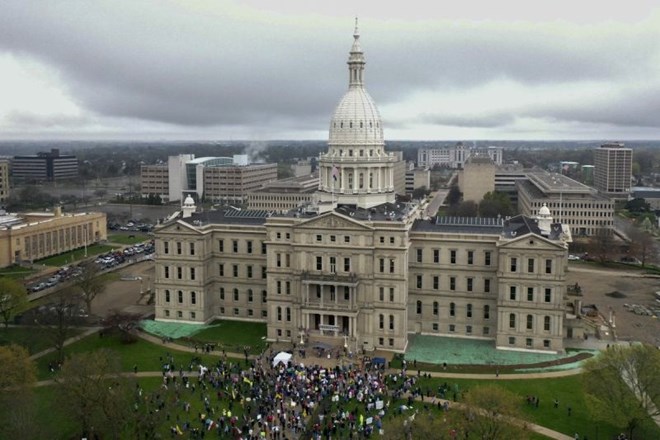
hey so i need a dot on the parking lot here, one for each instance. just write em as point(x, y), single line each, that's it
point(624, 287)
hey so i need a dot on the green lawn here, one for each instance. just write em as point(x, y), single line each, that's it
point(568, 390)
point(34, 339)
point(128, 238)
point(76, 255)
point(145, 355)
point(233, 336)
point(16, 272)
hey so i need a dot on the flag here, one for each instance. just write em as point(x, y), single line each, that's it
point(335, 172)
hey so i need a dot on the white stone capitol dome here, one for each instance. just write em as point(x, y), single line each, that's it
point(356, 120)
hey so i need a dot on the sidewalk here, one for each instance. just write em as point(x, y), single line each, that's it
point(69, 341)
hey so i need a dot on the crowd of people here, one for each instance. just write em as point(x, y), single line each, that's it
point(277, 402)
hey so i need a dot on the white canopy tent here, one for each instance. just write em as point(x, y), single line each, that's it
point(282, 357)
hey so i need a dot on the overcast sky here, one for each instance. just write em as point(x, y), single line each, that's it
point(268, 69)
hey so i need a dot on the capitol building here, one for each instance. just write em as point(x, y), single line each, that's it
point(358, 267)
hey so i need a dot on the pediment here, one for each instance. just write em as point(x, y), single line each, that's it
point(332, 220)
point(530, 241)
point(178, 227)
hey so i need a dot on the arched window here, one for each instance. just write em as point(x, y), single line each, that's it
point(419, 307)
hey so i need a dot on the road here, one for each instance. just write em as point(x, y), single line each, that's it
point(438, 198)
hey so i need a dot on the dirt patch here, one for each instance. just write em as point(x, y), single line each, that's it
point(602, 287)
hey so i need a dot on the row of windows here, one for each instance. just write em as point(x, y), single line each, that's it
point(179, 314)
point(179, 272)
point(529, 342)
point(235, 246)
point(180, 297)
point(567, 205)
point(531, 265)
point(453, 256)
point(529, 322)
point(237, 312)
point(452, 285)
point(531, 294)
point(287, 312)
point(249, 294)
point(235, 271)
point(332, 264)
point(452, 309)
point(178, 248)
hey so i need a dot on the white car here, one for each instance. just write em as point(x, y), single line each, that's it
point(573, 258)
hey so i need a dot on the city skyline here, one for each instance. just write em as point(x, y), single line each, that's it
point(259, 71)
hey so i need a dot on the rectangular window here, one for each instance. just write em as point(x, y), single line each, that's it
point(263, 248)
point(347, 238)
point(514, 264)
point(419, 255)
point(288, 287)
point(469, 311)
point(381, 322)
point(180, 296)
point(487, 285)
point(249, 271)
point(221, 269)
point(236, 312)
point(530, 265)
point(381, 341)
point(167, 296)
point(528, 342)
point(235, 294)
point(487, 258)
point(288, 236)
point(192, 248)
point(381, 262)
point(512, 293)
point(347, 264)
point(470, 282)
point(452, 328)
point(249, 246)
point(512, 320)
point(234, 246)
point(391, 340)
point(222, 293)
point(166, 247)
point(278, 259)
point(193, 298)
point(319, 263)
point(333, 264)
point(250, 295)
point(548, 295)
point(436, 255)
point(470, 257)
point(452, 256)
point(391, 294)
point(333, 238)
point(264, 296)
point(381, 294)
point(287, 259)
point(263, 272)
point(166, 270)
point(391, 322)
point(279, 287)
point(391, 240)
point(221, 245)
point(530, 294)
point(452, 283)
point(546, 343)
point(235, 270)
point(382, 240)
point(486, 331)
point(179, 272)
point(436, 282)
point(264, 314)
point(250, 312)
point(347, 294)
point(435, 326)
point(419, 281)
point(178, 247)
point(468, 329)
point(319, 237)
point(192, 273)
point(391, 265)
point(179, 314)
point(548, 266)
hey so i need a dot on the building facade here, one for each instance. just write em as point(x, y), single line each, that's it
point(45, 166)
point(154, 179)
point(477, 178)
point(575, 205)
point(4, 180)
point(360, 267)
point(613, 170)
point(455, 156)
point(31, 237)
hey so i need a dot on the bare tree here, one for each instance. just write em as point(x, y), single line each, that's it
point(13, 299)
point(494, 413)
point(642, 245)
point(602, 246)
point(622, 384)
point(90, 283)
point(94, 392)
point(59, 317)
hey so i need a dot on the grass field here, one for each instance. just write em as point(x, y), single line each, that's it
point(76, 255)
point(567, 390)
point(147, 356)
point(128, 239)
point(234, 335)
point(16, 272)
point(34, 339)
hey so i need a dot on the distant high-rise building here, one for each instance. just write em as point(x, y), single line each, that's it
point(613, 169)
point(4, 180)
point(456, 156)
point(45, 166)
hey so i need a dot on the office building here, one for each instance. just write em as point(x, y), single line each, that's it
point(4, 180)
point(613, 170)
point(45, 166)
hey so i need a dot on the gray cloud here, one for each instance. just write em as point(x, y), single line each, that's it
point(160, 62)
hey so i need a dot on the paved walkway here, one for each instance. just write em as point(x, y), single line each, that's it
point(69, 341)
